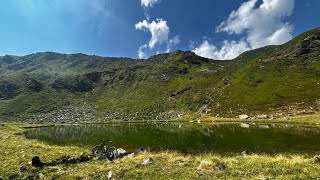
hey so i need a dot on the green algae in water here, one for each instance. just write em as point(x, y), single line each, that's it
point(187, 138)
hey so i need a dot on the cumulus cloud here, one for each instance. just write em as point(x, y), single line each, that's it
point(159, 31)
point(173, 42)
point(260, 25)
point(149, 3)
point(160, 34)
point(141, 51)
point(229, 49)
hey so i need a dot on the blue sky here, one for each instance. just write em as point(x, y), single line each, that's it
point(216, 29)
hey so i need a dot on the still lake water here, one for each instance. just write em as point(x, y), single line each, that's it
point(187, 138)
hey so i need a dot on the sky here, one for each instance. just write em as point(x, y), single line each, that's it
point(217, 29)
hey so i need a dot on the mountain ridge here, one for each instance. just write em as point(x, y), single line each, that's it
point(58, 87)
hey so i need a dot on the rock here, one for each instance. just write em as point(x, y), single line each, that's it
point(110, 174)
point(243, 116)
point(203, 111)
point(71, 160)
point(121, 152)
point(23, 168)
point(264, 126)
point(36, 162)
point(5, 137)
point(130, 155)
point(147, 162)
point(262, 116)
point(244, 125)
point(140, 150)
point(244, 153)
point(202, 164)
point(220, 166)
point(287, 118)
point(41, 176)
point(84, 157)
point(198, 121)
point(316, 159)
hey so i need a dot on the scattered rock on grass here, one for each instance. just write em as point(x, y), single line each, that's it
point(140, 150)
point(36, 162)
point(243, 116)
point(121, 151)
point(23, 168)
point(316, 159)
point(264, 126)
point(5, 137)
point(130, 155)
point(41, 176)
point(147, 162)
point(84, 157)
point(202, 164)
point(244, 125)
point(287, 118)
point(220, 166)
point(262, 116)
point(110, 174)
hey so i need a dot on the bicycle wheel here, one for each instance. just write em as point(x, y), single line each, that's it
point(97, 152)
point(112, 153)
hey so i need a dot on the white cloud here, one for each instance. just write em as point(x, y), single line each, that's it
point(159, 31)
point(261, 25)
point(173, 42)
point(141, 53)
point(149, 3)
point(229, 49)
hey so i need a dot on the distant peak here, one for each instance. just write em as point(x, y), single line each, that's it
point(184, 53)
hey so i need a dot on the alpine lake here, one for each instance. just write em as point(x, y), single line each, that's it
point(187, 137)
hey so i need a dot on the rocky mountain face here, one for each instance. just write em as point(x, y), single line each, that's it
point(75, 87)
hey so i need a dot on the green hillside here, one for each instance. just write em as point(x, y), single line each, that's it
point(58, 87)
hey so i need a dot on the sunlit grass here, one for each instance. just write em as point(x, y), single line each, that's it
point(17, 150)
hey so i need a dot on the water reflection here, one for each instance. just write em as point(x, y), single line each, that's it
point(193, 138)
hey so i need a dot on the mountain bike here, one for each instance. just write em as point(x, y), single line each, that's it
point(103, 150)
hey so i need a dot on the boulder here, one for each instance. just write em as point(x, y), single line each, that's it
point(23, 168)
point(262, 116)
point(220, 166)
point(140, 150)
point(121, 152)
point(36, 162)
point(147, 162)
point(244, 125)
point(264, 126)
point(84, 157)
point(130, 155)
point(202, 164)
point(110, 174)
point(41, 176)
point(244, 153)
point(316, 159)
point(243, 116)
point(287, 118)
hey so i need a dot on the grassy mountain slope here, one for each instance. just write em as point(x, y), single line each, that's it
point(266, 80)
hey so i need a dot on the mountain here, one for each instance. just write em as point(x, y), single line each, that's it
point(62, 87)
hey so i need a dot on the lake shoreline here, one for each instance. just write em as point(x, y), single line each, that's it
point(164, 165)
